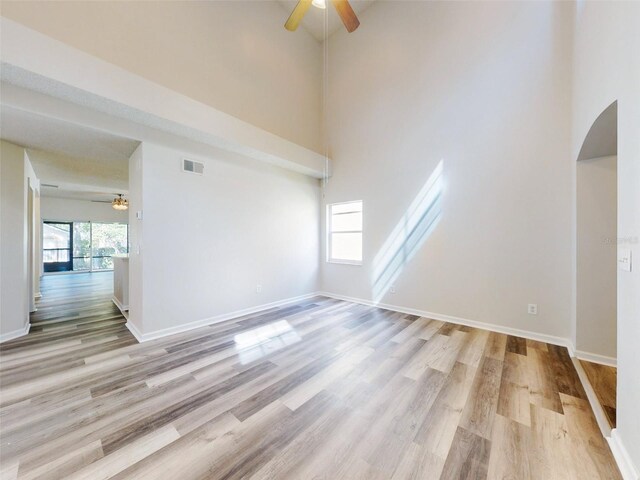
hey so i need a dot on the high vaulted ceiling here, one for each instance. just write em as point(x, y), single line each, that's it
point(314, 19)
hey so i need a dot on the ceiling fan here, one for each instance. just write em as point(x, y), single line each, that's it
point(346, 13)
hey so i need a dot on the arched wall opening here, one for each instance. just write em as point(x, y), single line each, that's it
point(596, 262)
point(596, 245)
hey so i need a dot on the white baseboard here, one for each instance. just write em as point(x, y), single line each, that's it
point(119, 304)
point(623, 459)
point(598, 410)
point(145, 337)
point(563, 342)
point(134, 331)
point(595, 358)
point(5, 337)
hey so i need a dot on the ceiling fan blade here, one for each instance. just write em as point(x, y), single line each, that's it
point(347, 14)
point(296, 16)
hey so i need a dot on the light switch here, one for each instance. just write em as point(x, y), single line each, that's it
point(624, 259)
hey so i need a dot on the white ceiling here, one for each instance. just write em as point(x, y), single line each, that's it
point(84, 163)
point(75, 194)
point(314, 19)
point(49, 134)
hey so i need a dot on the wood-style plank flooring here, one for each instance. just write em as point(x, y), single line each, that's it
point(603, 380)
point(324, 389)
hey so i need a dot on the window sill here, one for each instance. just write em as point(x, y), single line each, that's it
point(345, 262)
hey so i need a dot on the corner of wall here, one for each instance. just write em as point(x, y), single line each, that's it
point(14, 304)
point(136, 300)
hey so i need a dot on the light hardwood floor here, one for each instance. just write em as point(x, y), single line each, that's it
point(603, 380)
point(323, 389)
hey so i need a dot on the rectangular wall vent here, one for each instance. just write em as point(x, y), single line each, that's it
point(192, 166)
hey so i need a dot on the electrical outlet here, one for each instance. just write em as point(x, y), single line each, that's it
point(258, 288)
point(532, 309)
point(392, 289)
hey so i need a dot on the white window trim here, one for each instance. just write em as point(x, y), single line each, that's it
point(329, 232)
point(345, 262)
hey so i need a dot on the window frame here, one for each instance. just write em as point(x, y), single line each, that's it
point(330, 232)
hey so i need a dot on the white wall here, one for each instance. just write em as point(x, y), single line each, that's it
point(33, 234)
point(64, 209)
point(136, 235)
point(207, 241)
point(37, 246)
point(14, 311)
point(606, 68)
point(484, 88)
point(597, 198)
point(234, 56)
point(16, 173)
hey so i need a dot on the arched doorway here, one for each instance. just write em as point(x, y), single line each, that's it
point(596, 258)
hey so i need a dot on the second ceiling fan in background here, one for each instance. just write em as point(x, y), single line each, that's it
point(346, 13)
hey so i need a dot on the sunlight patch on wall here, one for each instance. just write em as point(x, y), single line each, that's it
point(416, 224)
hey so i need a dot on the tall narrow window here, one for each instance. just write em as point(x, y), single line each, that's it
point(344, 232)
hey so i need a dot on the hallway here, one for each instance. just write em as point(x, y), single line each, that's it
point(74, 316)
point(78, 306)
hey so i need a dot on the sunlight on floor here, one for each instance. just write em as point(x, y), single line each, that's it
point(264, 340)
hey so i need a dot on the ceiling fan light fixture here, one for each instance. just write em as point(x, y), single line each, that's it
point(120, 203)
point(345, 12)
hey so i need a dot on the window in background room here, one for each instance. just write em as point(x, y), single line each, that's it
point(82, 246)
point(57, 243)
point(344, 232)
point(107, 239)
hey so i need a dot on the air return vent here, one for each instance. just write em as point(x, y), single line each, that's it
point(192, 166)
